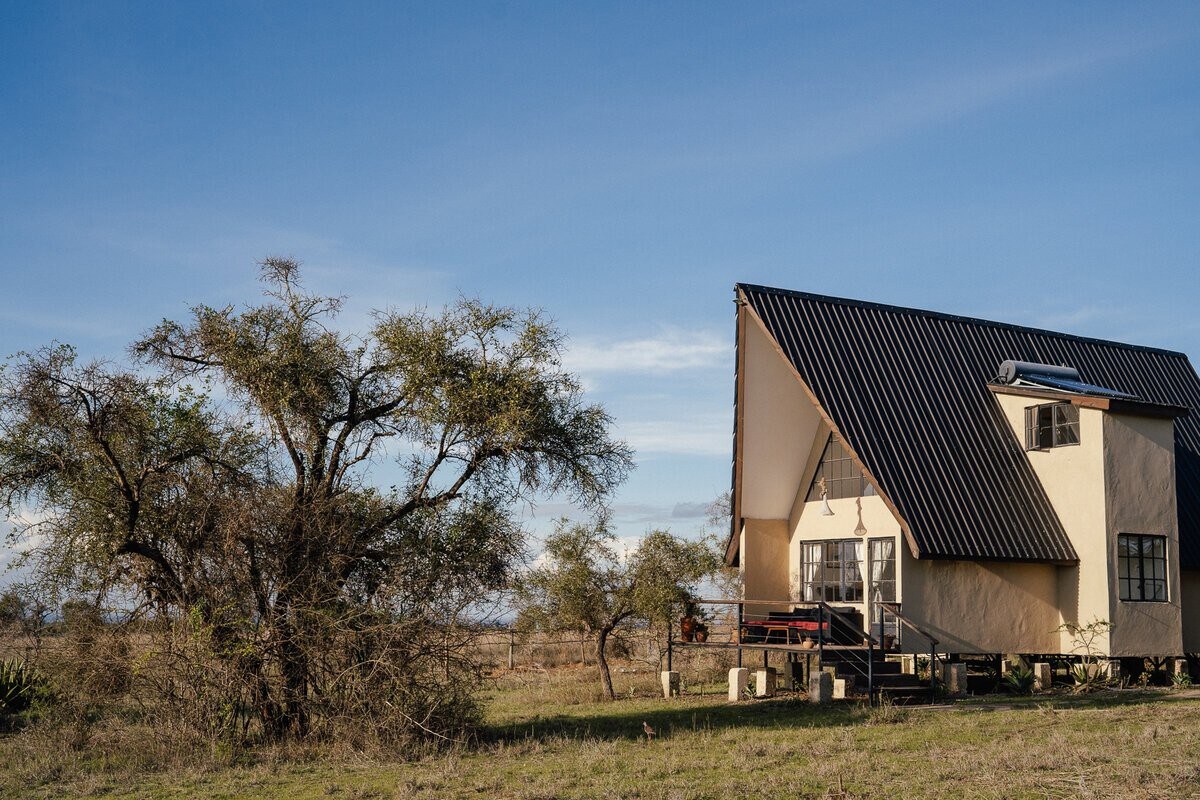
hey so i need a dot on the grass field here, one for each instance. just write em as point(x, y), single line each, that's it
point(547, 737)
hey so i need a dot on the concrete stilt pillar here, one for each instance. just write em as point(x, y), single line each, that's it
point(841, 687)
point(954, 678)
point(1041, 676)
point(670, 684)
point(765, 681)
point(820, 688)
point(739, 678)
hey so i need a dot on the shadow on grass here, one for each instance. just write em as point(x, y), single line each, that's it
point(618, 722)
point(1065, 699)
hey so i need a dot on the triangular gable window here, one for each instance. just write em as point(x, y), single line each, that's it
point(841, 473)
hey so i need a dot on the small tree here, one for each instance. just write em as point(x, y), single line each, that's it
point(231, 481)
point(585, 585)
point(1086, 640)
point(13, 609)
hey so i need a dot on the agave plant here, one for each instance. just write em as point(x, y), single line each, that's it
point(1019, 680)
point(1088, 677)
point(17, 684)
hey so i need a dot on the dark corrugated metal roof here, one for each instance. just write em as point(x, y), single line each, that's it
point(908, 391)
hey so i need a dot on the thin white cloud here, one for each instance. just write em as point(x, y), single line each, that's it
point(945, 97)
point(692, 435)
point(672, 350)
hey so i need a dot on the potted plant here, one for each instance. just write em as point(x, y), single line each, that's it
point(688, 622)
point(701, 632)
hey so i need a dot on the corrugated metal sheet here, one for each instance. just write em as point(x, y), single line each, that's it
point(908, 390)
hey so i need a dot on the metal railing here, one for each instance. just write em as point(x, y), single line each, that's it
point(893, 608)
point(853, 656)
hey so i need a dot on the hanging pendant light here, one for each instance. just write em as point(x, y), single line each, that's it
point(826, 511)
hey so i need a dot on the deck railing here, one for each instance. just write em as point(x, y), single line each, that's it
point(851, 655)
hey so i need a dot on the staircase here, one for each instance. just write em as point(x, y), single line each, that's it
point(886, 678)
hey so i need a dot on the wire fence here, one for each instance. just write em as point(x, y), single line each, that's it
point(509, 649)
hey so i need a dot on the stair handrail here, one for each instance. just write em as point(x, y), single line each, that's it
point(847, 621)
point(893, 608)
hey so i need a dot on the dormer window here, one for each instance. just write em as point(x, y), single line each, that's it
point(1051, 425)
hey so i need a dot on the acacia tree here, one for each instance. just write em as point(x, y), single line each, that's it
point(258, 517)
point(583, 584)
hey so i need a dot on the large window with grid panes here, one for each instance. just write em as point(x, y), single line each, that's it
point(1142, 567)
point(838, 474)
point(834, 571)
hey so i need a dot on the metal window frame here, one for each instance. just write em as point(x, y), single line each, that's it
point(835, 485)
point(1058, 413)
point(1127, 580)
point(822, 584)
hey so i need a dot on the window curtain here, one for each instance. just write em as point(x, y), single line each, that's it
point(814, 557)
point(882, 552)
point(852, 583)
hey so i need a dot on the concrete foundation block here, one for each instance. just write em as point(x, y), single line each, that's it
point(908, 664)
point(1041, 676)
point(1177, 666)
point(954, 678)
point(765, 682)
point(739, 679)
point(670, 684)
point(820, 688)
point(841, 688)
point(1111, 669)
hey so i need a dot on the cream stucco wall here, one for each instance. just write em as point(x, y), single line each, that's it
point(778, 424)
point(809, 525)
point(1140, 483)
point(764, 561)
point(1120, 478)
point(1073, 478)
point(981, 606)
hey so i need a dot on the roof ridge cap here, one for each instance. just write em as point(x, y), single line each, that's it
point(849, 301)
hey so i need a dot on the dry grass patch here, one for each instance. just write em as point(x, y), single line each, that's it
point(546, 739)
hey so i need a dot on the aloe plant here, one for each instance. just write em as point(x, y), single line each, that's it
point(17, 684)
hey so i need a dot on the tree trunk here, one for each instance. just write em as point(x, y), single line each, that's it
point(292, 707)
point(602, 662)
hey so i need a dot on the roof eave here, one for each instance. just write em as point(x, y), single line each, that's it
point(1114, 405)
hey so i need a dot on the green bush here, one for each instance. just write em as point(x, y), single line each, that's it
point(17, 686)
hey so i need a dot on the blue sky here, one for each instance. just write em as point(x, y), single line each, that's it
point(620, 165)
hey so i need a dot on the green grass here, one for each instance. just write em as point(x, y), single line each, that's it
point(547, 738)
